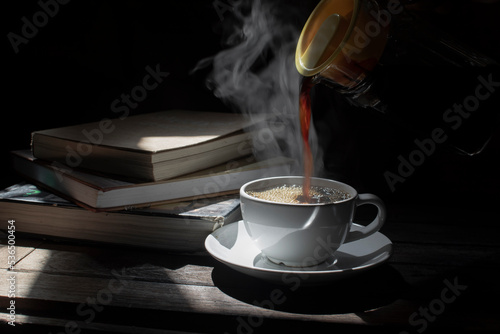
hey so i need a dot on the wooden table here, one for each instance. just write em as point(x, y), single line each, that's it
point(442, 277)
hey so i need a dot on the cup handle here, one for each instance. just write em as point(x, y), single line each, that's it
point(375, 225)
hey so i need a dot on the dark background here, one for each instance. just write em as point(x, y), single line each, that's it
point(91, 52)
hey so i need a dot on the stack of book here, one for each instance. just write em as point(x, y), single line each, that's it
point(163, 180)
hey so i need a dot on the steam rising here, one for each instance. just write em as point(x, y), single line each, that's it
point(256, 75)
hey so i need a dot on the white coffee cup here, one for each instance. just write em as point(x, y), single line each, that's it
point(304, 235)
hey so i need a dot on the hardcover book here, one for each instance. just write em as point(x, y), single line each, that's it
point(181, 226)
point(154, 146)
point(101, 193)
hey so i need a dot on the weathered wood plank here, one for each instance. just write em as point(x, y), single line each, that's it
point(143, 265)
point(99, 294)
point(121, 292)
point(24, 321)
point(450, 255)
point(151, 266)
point(21, 249)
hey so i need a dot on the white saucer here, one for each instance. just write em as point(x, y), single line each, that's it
point(232, 246)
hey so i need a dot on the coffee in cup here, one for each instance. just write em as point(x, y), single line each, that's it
point(293, 194)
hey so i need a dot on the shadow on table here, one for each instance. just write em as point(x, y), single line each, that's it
point(373, 289)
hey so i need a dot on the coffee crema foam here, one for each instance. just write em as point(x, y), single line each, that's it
point(293, 194)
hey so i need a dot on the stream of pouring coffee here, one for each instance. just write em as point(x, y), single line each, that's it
point(305, 124)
